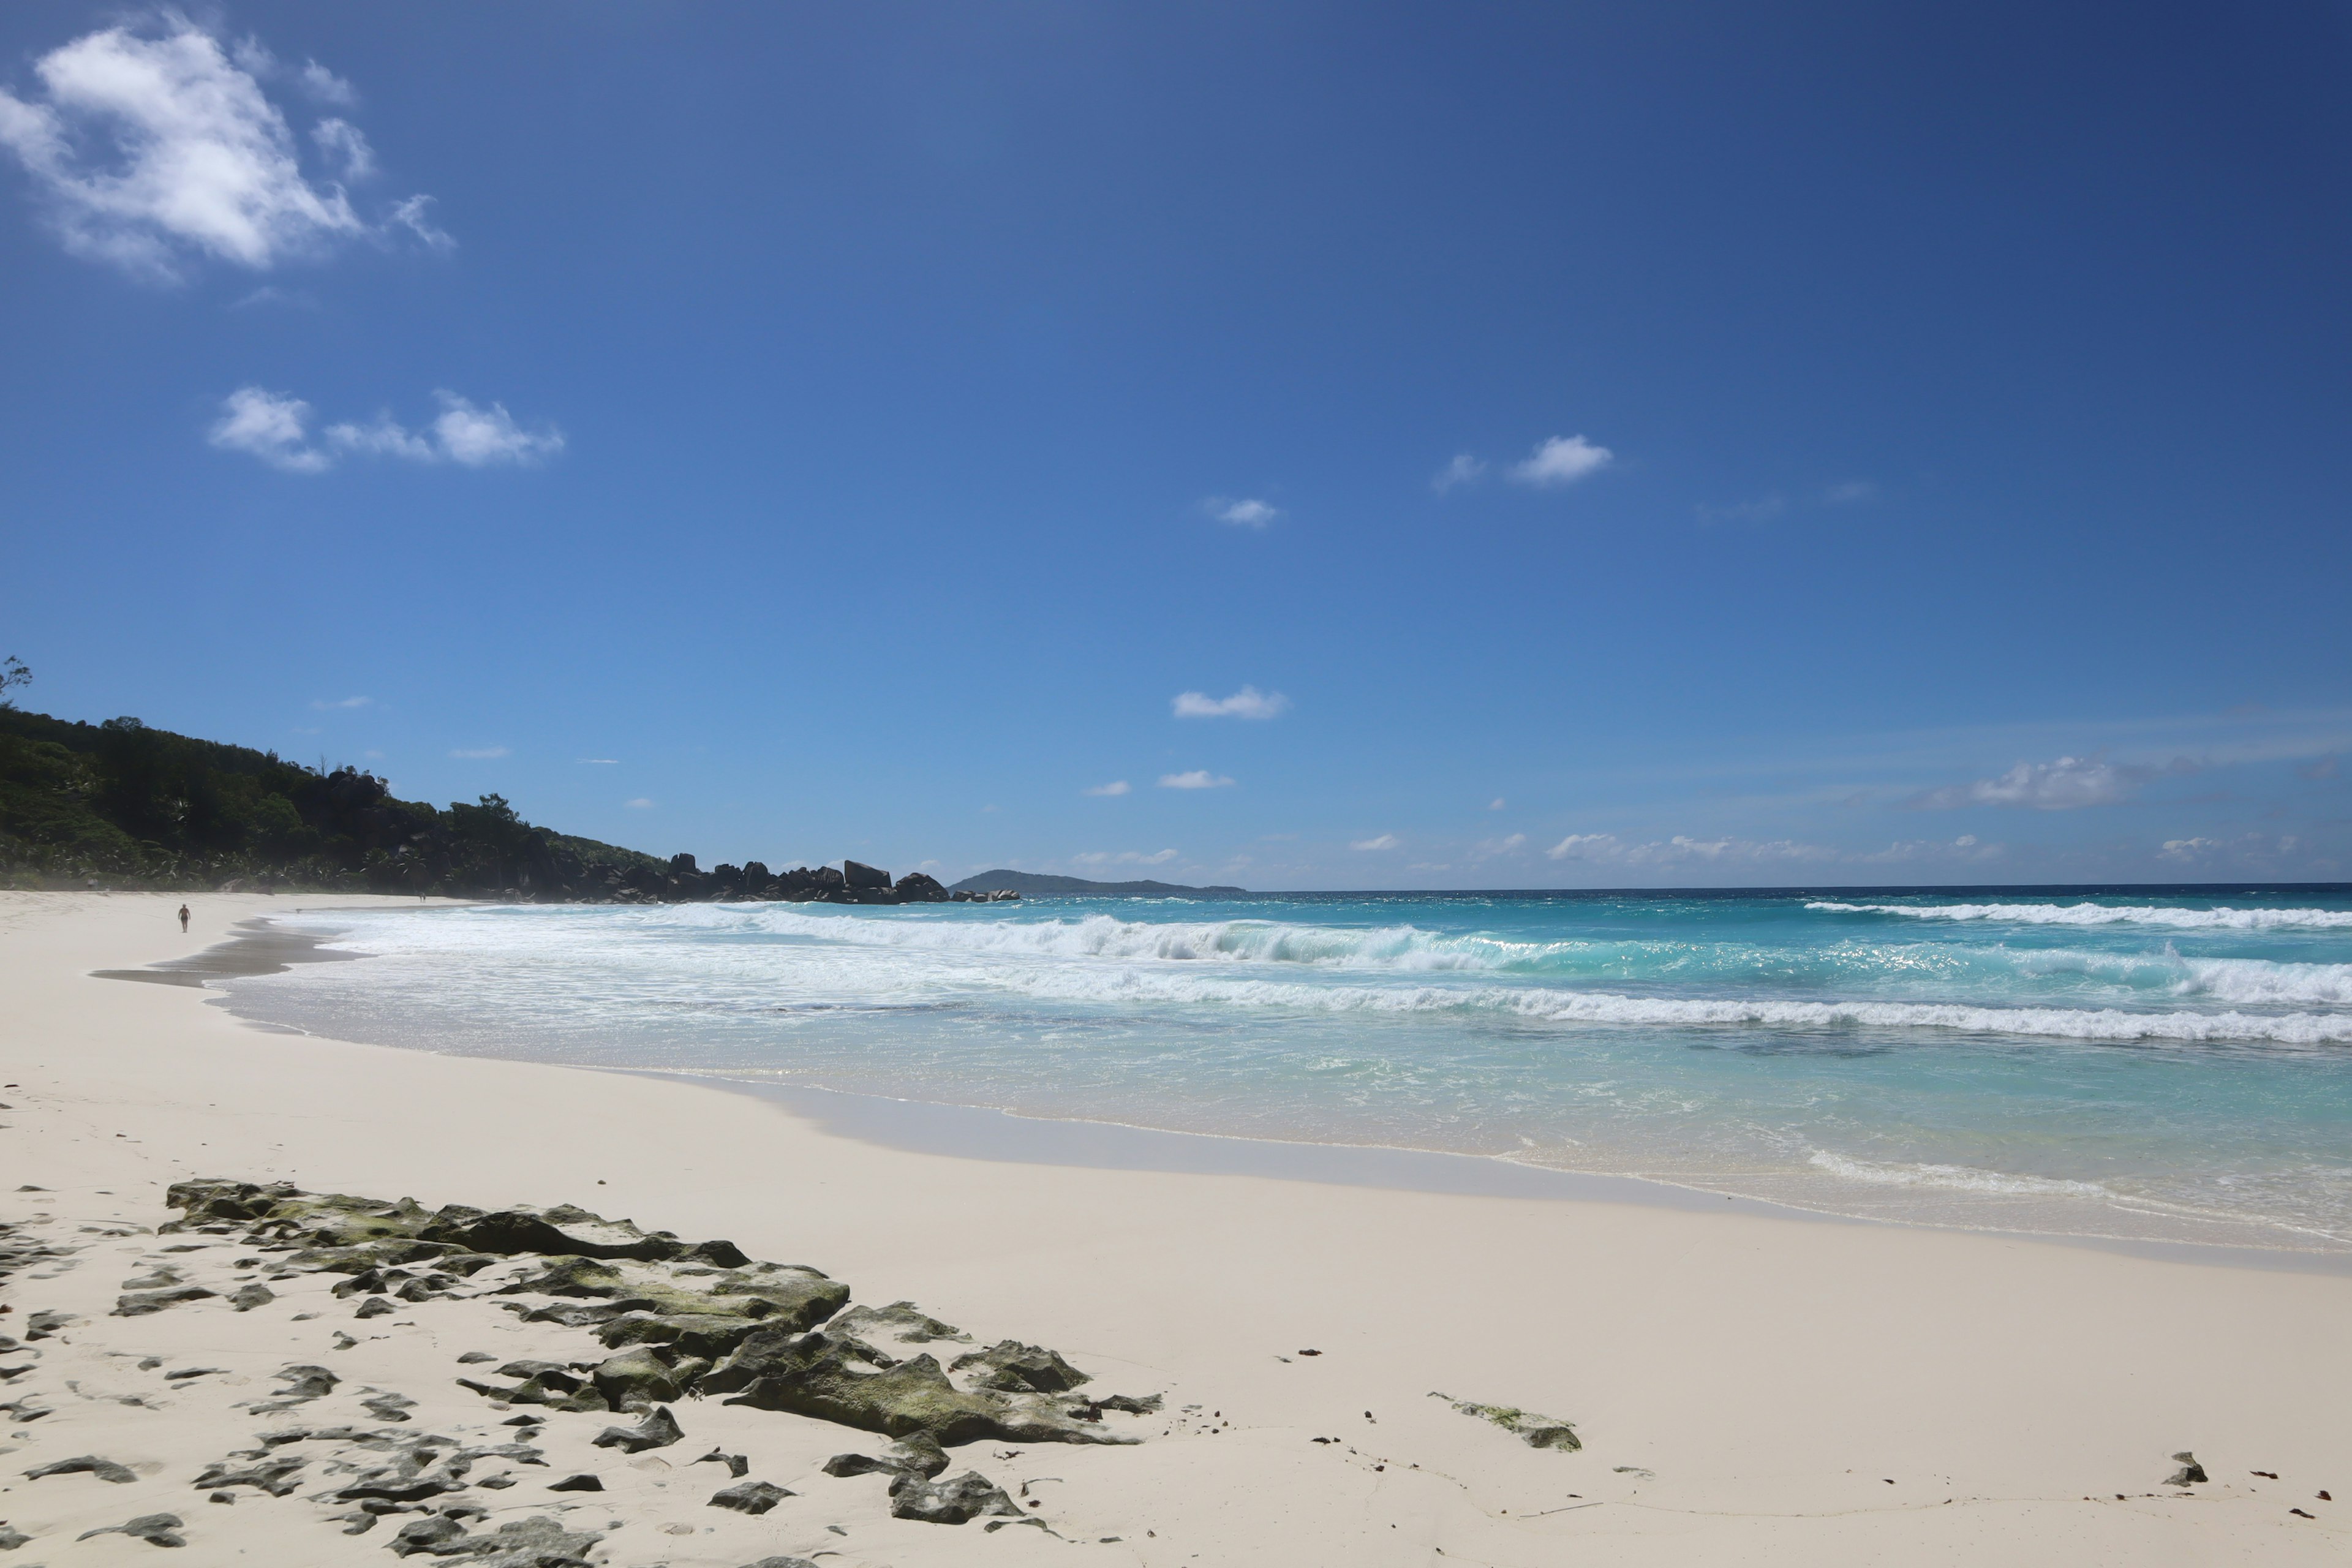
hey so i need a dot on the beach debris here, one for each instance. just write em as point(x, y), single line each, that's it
point(958, 1500)
point(1311, 1352)
point(85, 1464)
point(918, 1454)
point(2190, 1472)
point(2300, 1514)
point(474, 1358)
point(754, 1498)
point(737, 1464)
point(2266, 1475)
point(303, 1382)
point(154, 1529)
point(658, 1430)
point(2323, 1497)
point(781, 1563)
point(1536, 1431)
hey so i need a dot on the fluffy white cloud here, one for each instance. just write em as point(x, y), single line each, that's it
point(1463, 470)
point(480, 753)
point(1562, 461)
point(1497, 803)
point(325, 86)
point(274, 428)
point(1249, 702)
point(1490, 848)
point(2189, 848)
point(1125, 857)
point(1385, 841)
point(270, 425)
point(150, 147)
point(477, 437)
point(1199, 778)
point(2062, 785)
point(1242, 513)
point(324, 702)
point(1116, 787)
point(640, 803)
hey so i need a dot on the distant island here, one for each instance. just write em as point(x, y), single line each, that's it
point(1039, 885)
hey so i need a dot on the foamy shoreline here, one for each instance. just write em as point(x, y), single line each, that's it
point(1744, 1386)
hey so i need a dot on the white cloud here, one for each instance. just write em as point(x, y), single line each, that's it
point(270, 425)
point(2189, 848)
point(2062, 785)
point(409, 214)
point(482, 753)
point(343, 702)
point(344, 146)
point(477, 437)
point(1495, 803)
point(274, 428)
point(1249, 702)
point(1385, 841)
point(1851, 492)
point(149, 149)
point(1242, 513)
point(1684, 850)
point(1489, 848)
point(1125, 857)
point(600, 762)
point(325, 86)
point(1463, 470)
point(1199, 778)
point(1116, 787)
point(1562, 461)
point(640, 803)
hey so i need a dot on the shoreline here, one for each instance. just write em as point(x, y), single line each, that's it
point(1744, 1386)
point(995, 1133)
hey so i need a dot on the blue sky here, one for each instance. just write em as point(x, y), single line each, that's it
point(1302, 445)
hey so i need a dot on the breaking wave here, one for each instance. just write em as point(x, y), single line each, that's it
point(2088, 914)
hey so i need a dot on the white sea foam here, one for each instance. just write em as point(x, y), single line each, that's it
point(2106, 914)
point(1117, 985)
point(1954, 1178)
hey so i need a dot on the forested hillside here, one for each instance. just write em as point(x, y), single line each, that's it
point(127, 805)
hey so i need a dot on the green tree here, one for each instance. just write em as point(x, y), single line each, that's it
point(13, 673)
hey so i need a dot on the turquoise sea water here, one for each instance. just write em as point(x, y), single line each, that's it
point(2169, 1065)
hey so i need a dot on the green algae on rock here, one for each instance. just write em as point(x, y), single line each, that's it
point(1535, 1431)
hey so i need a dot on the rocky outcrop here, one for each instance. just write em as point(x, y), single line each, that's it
point(835, 1378)
point(862, 878)
point(682, 1319)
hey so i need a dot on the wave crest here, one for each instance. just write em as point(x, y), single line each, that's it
point(2088, 914)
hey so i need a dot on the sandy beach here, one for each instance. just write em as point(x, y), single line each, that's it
point(1746, 1387)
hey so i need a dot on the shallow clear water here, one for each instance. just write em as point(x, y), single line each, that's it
point(2168, 1067)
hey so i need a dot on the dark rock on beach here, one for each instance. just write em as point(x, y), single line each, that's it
point(154, 1529)
point(86, 1464)
point(1012, 1366)
point(920, 1454)
point(958, 1500)
point(658, 1430)
point(753, 1498)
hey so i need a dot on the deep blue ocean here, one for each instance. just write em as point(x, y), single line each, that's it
point(2164, 1065)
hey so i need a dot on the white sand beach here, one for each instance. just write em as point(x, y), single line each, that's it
point(1746, 1388)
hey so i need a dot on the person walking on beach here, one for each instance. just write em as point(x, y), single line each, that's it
point(183, 919)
